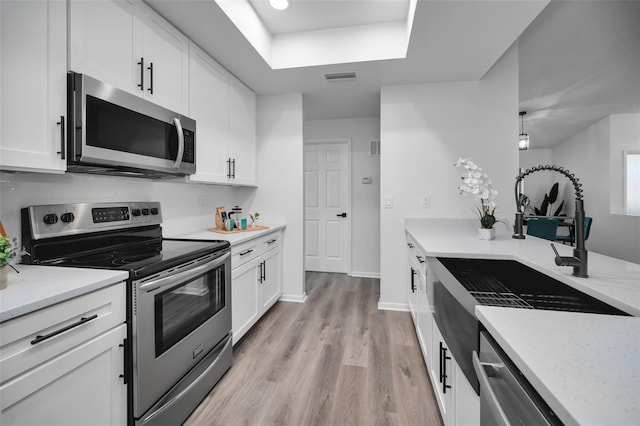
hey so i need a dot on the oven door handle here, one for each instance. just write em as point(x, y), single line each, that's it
point(487, 393)
point(185, 275)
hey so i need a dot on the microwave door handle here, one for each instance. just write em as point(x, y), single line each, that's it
point(176, 121)
point(183, 276)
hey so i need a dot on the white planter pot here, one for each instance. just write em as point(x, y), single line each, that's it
point(486, 234)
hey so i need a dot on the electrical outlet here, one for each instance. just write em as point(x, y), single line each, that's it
point(426, 202)
point(388, 202)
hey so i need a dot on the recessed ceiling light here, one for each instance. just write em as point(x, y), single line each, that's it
point(279, 4)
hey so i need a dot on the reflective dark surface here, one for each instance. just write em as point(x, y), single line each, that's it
point(509, 283)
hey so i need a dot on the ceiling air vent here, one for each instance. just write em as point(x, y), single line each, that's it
point(340, 76)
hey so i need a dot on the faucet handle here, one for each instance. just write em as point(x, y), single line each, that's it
point(564, 260)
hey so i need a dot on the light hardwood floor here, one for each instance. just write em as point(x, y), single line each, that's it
point(334, 360)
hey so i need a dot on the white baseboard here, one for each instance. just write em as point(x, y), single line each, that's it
point(386, 306)
point(360, 274)
point(296, 298)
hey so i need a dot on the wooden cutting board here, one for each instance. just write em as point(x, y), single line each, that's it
point(237, 231)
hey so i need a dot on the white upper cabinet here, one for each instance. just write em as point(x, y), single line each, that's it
point(225, 114)
point(33, 57)
point(128, 45)
point(166, 61)
point(242, 134)
point(209, 107)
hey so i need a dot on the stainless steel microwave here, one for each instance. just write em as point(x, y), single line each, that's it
point(117, 133)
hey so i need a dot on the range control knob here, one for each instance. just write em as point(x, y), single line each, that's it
point(67, 217)
point(154, 210)
point(50, 218)
point(145, 212)
point(136, 212)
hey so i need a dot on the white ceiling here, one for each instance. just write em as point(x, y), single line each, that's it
point(450, 41)
point(579, 62)
point(312, 15)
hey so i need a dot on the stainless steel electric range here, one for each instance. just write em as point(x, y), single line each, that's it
point(178, 297)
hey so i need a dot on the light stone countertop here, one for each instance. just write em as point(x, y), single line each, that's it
point(37, 287)
point(234, 239)
point(614, 281)
point(585, 366)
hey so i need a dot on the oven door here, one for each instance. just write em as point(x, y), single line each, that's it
point(178, 317)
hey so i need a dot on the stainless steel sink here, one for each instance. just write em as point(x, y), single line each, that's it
point(461, 284)
point(511, 284)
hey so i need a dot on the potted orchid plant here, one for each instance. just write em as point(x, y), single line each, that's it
point(478, 184)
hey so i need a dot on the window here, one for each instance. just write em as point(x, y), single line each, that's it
point(632, 183)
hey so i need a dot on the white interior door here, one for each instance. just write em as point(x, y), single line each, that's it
point(327, 207)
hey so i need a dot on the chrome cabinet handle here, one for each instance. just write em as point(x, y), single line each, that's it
point(244, 253)
point(233, 175)
point(420, 259)
point(228, 168)
point(410, 245)
point(81, 321)
point(178, 125)
point(271, 241)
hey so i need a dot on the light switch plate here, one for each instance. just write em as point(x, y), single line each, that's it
point(388, 202)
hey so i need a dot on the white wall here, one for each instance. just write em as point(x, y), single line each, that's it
point(587, 156)
point(280, 179)
point(185, 207)
point(424, 129)
point(537, 184)
point(365, 198)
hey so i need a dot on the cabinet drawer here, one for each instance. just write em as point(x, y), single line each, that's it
point(22, 349)
point(271, 241)
point(244, 252)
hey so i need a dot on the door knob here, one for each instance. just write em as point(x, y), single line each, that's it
point(341, 215)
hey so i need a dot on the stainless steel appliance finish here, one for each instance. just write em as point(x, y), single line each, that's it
point(178, 297)
point(179, 315)
point(117, 133)
point(506, 397)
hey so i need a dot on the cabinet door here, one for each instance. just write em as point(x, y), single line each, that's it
point(271, 284)
point(32, 84)
point(208, 105)
point(424, 317)
point(104, 42)
point(242, 134)
point(414, 271)
point(467, 403)
point(244, 298)
point(166, 53)
point(443, 365)
point(79, 387)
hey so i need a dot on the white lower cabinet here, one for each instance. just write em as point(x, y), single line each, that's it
point(442, 371)
point(72, 373)
point(244, 298)
point(256, 281)
point(271, 280)
point(457, 401)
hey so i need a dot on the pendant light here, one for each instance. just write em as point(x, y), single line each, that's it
point(523, 139)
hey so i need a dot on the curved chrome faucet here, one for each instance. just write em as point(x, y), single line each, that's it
point(579, 259)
